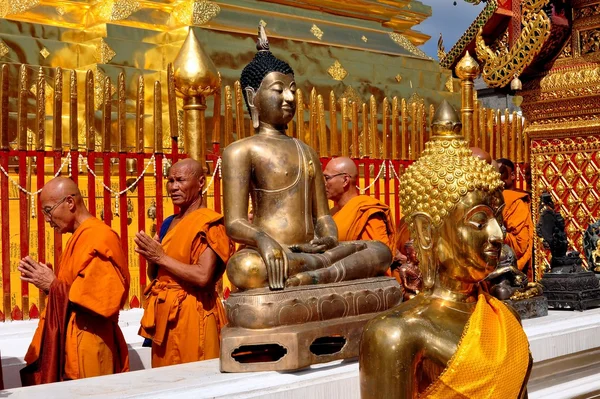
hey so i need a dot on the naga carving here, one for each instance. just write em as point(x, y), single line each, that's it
point(500, 68)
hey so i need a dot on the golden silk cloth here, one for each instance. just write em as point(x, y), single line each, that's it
point(492, 359)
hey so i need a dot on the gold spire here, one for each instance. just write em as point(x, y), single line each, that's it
point(446, 123)
point(195, 73)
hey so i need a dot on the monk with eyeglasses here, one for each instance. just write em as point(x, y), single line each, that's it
point(357, 216)
point(78, 335)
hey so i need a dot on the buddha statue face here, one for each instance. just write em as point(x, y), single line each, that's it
point(269, 87)
point(275, 99)
point(469, 242)
point(453, 202)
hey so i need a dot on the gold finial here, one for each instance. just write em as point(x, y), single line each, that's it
point(195, 73)
point(446, 123)
point(467, 68)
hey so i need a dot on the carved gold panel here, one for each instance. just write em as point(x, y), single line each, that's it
point(568, 168)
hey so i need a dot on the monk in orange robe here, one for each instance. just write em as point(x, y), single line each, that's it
point(358, 217)
point(517, 218)
point(183, 315)
point(78, 334)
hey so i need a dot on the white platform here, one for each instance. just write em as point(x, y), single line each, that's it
point(565, 346)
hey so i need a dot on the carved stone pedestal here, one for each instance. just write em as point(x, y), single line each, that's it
point(531, 307)
point(300, 326)
point(290, 348)
point(575, 291)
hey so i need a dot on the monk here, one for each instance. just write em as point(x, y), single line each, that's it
point(517, 218)
point(78, 335)
point(357, 217)
point(183, 314)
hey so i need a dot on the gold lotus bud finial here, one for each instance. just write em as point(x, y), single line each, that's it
point(467, 68)
point(195, 73)
point(446, 123)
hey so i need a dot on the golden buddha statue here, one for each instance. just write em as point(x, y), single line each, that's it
point(302, 297)
point(292, 239)
point(452, 339)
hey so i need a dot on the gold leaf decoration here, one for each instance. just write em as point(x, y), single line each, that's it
point(337, 71)
point(3, 49)
point(351, 95)
point(16, 6)
point(44, 52)
point(116, 10)
point(317, 32)
point(406, 44)
point(99, 79)
point(103, 53)
point(450, 84)
point(398, 78)
point(415, 99)
point(195, 12)
point(60, 11)
point(48, 91)
point(204, 11)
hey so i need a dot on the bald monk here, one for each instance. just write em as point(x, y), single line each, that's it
point(78, 335)
point(357, 217)
point(183, 314)
point(517, 218)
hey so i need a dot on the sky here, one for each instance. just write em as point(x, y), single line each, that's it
point(449, 19)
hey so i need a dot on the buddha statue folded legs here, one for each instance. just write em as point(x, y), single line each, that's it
point(292, 239)
point(452, 339)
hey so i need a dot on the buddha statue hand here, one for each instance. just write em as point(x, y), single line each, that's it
point(316, 246)
point(275, 260)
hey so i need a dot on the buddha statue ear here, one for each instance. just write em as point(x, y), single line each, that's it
point(424, 240)
point(250, 94)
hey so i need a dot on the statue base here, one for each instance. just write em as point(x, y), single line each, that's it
point(289, 348)
point(574, 291)
point(262, 308)
point(299, 326)
point(530, 308)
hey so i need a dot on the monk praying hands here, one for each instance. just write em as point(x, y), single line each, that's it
point(183, 315)
point(38, 274)
point(78, 335)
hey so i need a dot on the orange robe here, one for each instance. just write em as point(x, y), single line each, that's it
point(365, 218)
point(94, 268)
point(183, 321)
point(519, 226)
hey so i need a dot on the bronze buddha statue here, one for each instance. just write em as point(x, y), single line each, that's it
point(292, 239)
point(302, 297)
point(451, 339)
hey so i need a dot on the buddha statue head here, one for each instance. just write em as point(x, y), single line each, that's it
point(453, 203)
point(269, 87)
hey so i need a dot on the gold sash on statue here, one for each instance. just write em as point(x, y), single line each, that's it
point(492, 359)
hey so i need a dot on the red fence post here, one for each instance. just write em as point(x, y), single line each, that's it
point(6, 313)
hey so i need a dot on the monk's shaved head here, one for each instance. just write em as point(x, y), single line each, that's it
point(190, 165)
point(344, 165)
point(481, 154)
point(60, 187)
point(62, 205)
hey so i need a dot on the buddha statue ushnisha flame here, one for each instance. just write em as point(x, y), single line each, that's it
point(292, 239)
point(452, 339)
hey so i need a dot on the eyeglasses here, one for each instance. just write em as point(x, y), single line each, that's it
point(48, 210)
point(329, 177)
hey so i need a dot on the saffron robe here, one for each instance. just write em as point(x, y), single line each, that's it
point(492, 359)
point(184, 321)
point(365, 218)
point(94, 279)
point(519, 227)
